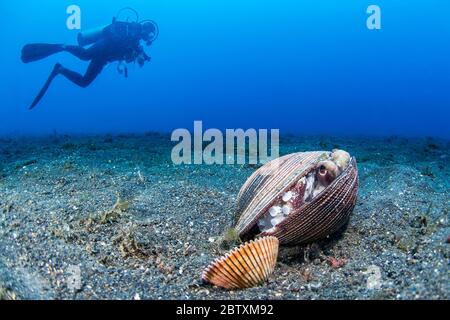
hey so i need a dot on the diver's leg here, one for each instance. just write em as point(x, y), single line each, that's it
point(93, 52)
point(47, 84)
point(94, 69)
point(79, 52)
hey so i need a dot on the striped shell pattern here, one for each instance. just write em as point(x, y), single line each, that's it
point(298, 198)
point(246, 266)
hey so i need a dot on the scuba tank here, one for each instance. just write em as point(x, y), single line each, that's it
point(91, 36)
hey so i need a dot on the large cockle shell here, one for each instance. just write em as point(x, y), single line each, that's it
point(246, 266)
point(325, 185)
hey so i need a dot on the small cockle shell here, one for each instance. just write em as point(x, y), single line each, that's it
point(329, 196)
point(246, 266)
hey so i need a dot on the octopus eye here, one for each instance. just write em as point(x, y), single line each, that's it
point(323, 171)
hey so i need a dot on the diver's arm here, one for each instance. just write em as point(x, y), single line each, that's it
point(142, 57)
point(137, 54)
point(141, 52)
point(145, 56)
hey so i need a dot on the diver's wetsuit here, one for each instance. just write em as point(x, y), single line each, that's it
point(114, 46)
point(120, 41)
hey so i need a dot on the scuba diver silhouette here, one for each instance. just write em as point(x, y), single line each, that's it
point(119, 41)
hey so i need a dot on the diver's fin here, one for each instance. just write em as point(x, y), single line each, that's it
point(46, 86)
point(37, 51)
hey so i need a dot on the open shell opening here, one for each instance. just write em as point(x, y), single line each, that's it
point(304, 197)
point(307, 188)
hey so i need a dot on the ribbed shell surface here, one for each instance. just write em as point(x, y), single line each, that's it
point(317, 219)
point(247, 266)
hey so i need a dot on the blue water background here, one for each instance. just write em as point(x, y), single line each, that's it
point(308, 67)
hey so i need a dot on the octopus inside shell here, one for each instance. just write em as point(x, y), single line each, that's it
point(298, 198)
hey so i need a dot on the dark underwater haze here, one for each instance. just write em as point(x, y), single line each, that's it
point(302, 66)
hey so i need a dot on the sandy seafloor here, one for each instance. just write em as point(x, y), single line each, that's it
point(57, 197)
